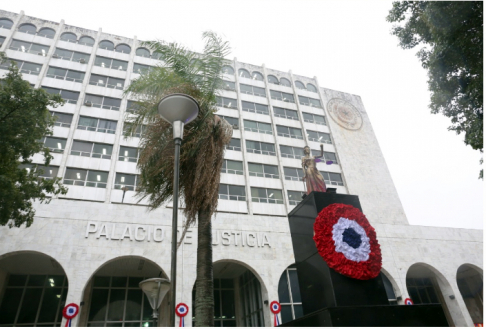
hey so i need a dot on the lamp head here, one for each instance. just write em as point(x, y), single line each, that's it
point(155, 289)
point(178, 107)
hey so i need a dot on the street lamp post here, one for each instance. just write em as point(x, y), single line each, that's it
point(155, 289)
point(178, 110)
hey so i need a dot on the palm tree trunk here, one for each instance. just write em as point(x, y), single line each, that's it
point(204, 304)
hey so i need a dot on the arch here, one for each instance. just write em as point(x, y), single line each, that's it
point(69, 37)
point(257, 76)
point(285, 82)
point(392, 290)
point(469, 280)
point(119, 277)
point(311, 87)
point(106, 44)
point(273, 79)
point(46, 32)
point(32, 281)
point(142, 52)
point(289, 295)
point(300, 85)
point(156, 55)
point(28, 28)
point(425, 285)
point(244, 73)
point(228, 70)
point(86, 40)
point(123, 48)
point(6, 23)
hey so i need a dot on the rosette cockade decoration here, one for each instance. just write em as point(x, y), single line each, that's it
point(347, 242)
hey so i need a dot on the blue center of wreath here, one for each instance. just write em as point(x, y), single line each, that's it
point(351, 237)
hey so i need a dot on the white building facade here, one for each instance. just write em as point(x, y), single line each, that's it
point(93, 245)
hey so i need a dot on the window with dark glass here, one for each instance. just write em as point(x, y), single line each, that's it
point(226, 102)
point(232, 192)
point(128, 154)
point(27, 28)
point(28, 47)
point(254, 107)
point(140, 68)
point(228, 70)
point(95, 124)
point(73, 56)
point(110, 63)
point(232, 121)
point(93, 150)
point(46, 33)
point(244, 73)
point(122, 48)
point(291, 152)
point(309, 101)
point(300, 85)
point(138, 131)
point(390, 292)
point(328, 156)
point(258, 127)
point(234, 145)
point(103, 102)
point(289, 132)
point(252, 90)
point(278, 95)
point(2, 40)
point(232, 167)
point(132, 106)
point(24, 67)
point(108, 45)
point(289, 291)
point(294, 197)
point(83, 177)
point(285, 82)
point(69, 37)
point(266, 195)
point(70, 97)
point(56, 145)
point(125, 181)
point(257, 76)
point(314, 118)
point(156, 55)
point(5, 23)
point(105, 81)
point(273, 79)
point(142, 52)
point(87, 41)
point(260, 147)
point(63, 74)
point(263, 170)
point(295, 174)
point(62, 119)
point(422, 290)
point(251, 300)
point(47, 171)
point(319, 137)
point(285, 113)
point(332, 178)
point(311, 87)
point(228, 85)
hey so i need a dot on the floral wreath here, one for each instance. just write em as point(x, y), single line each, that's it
point(347, 242)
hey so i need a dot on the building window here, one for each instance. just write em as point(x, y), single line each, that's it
point(28, 28)
point(289, 295)
point(294, 197)
point(390, 292)
point(300, 85)
point(156, 55)
point(317, 136)
point(291, 152)
point(272, 79)
point(71, 56)
point(266, 195)
point(254, 107)
point(69, 37)
point(142, 52)
point(278, 95)
point(257, 76)
point(228, 70)
point(332, 178)
point(24, 67)
point(70, 97)
point(232, 192)
point(228, 85)
point(83, 177)
point(328, 156)
point(290, 132)
point(126, 181)
point(132, 106)
point(232, 167)
point(33, 300)
point(258, 127)
point(285, 82)
point(252, 90)
point(63, 74)
point(311, 88)
point(138, 132)
point(251, 301)
point(260, 148)
point(232, 121)
point(95, 124)
point(2, 40)
point(87, 41)
point(119, 302)
point(285, 113)
point(62, 119)
point(422, 290)
point(122, 48)
point(56, 145)
point(28, 47)
point(140, 68)
point(108, 82)
point(234, 145)
point(309, 101)
point(5, 23)
point(263, 170)
point(128, 154)
point(295, 174)
point(229, 103)
point(244, 73)
point(103, 102)
point(108, 45)
point(46, 33)
point(314, 118)
point(111, 63)
point(93, 150)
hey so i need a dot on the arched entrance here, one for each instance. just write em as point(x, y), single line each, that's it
point(238, 298)
point(33, 289)
point(470, 283)
point(112, 297)
point(392, 291)
point(426, 285)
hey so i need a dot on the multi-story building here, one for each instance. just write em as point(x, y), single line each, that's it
point(95, 244)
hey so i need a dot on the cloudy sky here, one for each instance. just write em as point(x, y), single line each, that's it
point(347, 45)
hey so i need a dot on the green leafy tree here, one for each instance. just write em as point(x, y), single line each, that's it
point(197, 75)
point(24, 120)
point(450, 34)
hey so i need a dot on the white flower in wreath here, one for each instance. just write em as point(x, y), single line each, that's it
point(351, 240)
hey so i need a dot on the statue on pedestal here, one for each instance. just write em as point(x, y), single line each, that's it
point(312, 177)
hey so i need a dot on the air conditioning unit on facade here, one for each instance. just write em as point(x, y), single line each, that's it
point(88, 103)
point(236, 127)
point(82, 61)
point(55, 56)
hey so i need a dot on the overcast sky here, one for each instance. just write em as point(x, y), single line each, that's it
point(347, 45)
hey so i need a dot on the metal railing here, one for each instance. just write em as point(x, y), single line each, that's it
point(101, 130)
point(233, 148)
point(127, 187)
point(29, 72)
point(127, 159)
point(266, 200)
point(309, 104)
point(286, 116)
point(56, 150)
point(294, 178)
point(5, 27)
point(227, 106)
point(291, 156)
point(101, 106)
point(45, 36)
point(256, 111)
point(283, 99)
point(261, 174)
point(74, 182)
point(69, 40)
point(316, 122)
point(255, 130)
point(260, 152)
point(96, 184)
point(289, 135)
point(59, 77)
point(232, 197)
point(293, 202)
point(62, 124)
point(231, 171)
point(28, 32)
point(91, 154)
point(320, 140)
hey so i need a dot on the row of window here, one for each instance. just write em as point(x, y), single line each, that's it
point(231, 103)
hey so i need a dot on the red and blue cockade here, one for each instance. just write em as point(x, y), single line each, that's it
point(347, 242)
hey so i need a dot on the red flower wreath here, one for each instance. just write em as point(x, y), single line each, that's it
point(329, 236)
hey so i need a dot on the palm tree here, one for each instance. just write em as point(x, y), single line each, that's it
point(197, 75)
